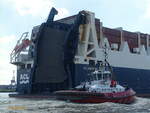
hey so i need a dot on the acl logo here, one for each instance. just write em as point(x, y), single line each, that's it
point(24, 79)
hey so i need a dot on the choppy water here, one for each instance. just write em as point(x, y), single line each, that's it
point(12, 105)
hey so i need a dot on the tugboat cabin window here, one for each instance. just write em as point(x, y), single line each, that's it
point(106, 76)
point(93, 77)
point(99, 76)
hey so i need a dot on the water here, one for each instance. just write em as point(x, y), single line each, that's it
point(13, 105)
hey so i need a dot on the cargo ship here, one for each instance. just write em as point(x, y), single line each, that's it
point(60, 54)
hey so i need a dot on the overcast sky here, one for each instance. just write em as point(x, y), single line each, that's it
point(18, 16)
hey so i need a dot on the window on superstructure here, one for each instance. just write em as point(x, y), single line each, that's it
point(28, 66)
point(22, 67)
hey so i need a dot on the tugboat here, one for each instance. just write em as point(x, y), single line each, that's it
point(101, 87)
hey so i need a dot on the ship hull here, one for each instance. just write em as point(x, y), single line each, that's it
point(138, 79)
point(127, 100)
point(126, 97)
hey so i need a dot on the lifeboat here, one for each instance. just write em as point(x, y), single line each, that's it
point(99, 88)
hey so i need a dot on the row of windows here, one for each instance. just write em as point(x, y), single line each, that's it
point(25, 66)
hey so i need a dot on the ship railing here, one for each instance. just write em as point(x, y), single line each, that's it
point(19, 59)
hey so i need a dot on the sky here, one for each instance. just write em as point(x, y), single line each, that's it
point(18, 16)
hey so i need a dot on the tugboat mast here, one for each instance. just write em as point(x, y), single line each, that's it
point(105, 55)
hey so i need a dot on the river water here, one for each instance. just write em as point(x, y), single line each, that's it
point(14, 105)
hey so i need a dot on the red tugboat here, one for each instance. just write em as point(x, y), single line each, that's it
point(99, 89)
